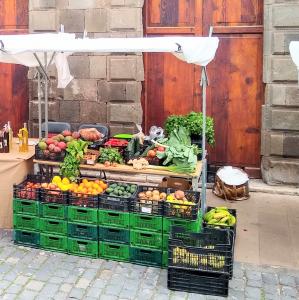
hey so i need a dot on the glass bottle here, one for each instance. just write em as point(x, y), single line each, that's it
point(5, 139)
point(10, 135)
point(1, 141)
point(23, 139)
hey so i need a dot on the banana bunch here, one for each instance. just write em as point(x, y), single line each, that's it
point(183, 256)
point(220, 216)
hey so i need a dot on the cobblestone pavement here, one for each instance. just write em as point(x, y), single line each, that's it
point(29, 274)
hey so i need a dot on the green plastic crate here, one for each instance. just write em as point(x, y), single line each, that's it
point(146, 222)
point(165, 242)
point(165, 259)
point(27, 238)
point(83, 247)
point(53, 211)
point(83, 231)
point(53, 226)
point(146, 257)
point(192, 226)
point(83, 215)
point(114, 251)
point(114, 235)
point(113, 218)
point(26, 222)
point(26, 207)
point(53, 242)
point(143, 239)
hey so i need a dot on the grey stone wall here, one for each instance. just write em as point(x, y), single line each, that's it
point(280, 131)
point(107, 88)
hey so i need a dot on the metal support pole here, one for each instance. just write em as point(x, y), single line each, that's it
point(46, 94)
point(204, 83)
point(39, 95)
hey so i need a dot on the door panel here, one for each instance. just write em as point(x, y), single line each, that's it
point(14, 102)
point(235, 94)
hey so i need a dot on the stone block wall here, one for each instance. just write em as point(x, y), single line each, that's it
point(280, 131)
point(107, 87)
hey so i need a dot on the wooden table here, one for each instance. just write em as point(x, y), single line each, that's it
point(14, 168)
point(194, 177)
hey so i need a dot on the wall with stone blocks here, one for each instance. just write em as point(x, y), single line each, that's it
point(280, 131)
point(106, 88)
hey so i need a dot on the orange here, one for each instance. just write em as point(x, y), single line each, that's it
point(95, 185)
point(104, 186)
point(84, 181)
point(100, 190)
point(84, 190)
point(97, 181)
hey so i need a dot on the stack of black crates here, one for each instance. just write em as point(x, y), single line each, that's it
point(201, 262)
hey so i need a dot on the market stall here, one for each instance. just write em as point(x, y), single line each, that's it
point(152, 226)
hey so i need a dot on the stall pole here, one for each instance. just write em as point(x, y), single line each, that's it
point(204, 83)
point(39, 104)
point(46, 94)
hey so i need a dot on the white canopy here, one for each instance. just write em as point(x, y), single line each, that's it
point(20, 49)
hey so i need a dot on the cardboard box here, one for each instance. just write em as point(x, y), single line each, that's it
point(176, 183)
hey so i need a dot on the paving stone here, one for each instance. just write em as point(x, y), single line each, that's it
point(56, 280)
point(253, 275)
point(77, 293)
point(289, 291)
point(236, 295)
point(21, 280)
point(254, 283)
point(49, 289)
point(4, 284)
point(14, 289)
point(61, 296)
point(113, 290)
point(288, 280)
point(108, 297)
point(252, 292)
point(83, 283)
point(94, 292)
point(8, 296)
point(128, 294)
point(35, 285)
point(270, 278)
point(237, 284)
point(27, 295)
point(271, 289)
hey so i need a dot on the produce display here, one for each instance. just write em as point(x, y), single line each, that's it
point(149, 196)
point(91, 134)
point(110, 155)
point(139, 164)
point(75, 153)
point(182, 256)
point(123, 190)
point(182, 205)
point(220, 216)
point(27, 191)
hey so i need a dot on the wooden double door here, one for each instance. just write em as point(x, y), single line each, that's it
point(235, 94)
point(13, 78)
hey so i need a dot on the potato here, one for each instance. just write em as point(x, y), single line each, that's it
point(156, 197)
point(148, 194)
point(156, 192)
point(163, 196)
point(142, 195)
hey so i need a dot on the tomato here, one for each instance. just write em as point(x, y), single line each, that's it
point(161, 149)
point(151, 153)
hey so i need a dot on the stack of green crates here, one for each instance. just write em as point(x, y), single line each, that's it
point(53, 226)
point(26, 221)
point(83, 231)
point(114, 235)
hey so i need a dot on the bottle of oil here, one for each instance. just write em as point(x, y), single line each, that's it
point(23, 139)
point(10, 135)
point(5, 139)
point(1, 141)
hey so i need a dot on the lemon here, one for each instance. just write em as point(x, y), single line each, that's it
point(64, 187)
point(56, 179)
point(65, 181)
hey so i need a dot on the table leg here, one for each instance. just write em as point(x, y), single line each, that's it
point(195, 185)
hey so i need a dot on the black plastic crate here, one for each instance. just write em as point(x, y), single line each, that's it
point(183, 210)
point(210, 250)
point(118, 203)
point(29, 192)
point(83, 200)
point(54, 196)
point(41, 155)
point(198, 282)
point(146, 206)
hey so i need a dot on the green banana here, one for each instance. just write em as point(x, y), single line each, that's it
point(209, 215)
point(212, 221)
point(225, 219)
